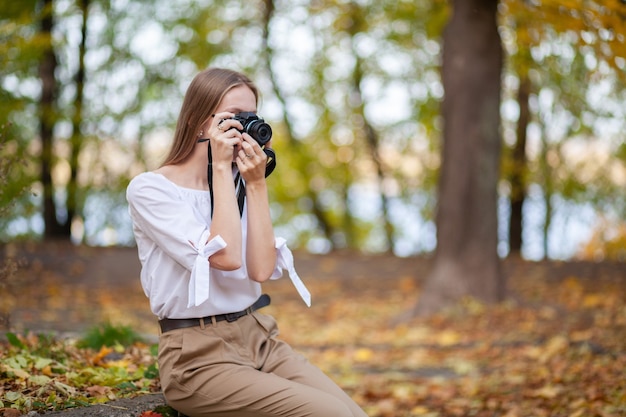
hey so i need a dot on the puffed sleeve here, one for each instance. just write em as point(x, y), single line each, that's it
point(284, 260)
point(174, 226)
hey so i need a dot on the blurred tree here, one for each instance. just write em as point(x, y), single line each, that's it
point(96, 88)
point(466, 260)
point(566, 51)
point(357, 16)
point(607, 243)
point(74, 202)
point(55, 226)
point(519, 170)
point(371, 137)
point(296, 145)
point(48, 117)
point(19, 54)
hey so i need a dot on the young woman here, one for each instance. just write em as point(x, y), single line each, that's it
point(203, 261)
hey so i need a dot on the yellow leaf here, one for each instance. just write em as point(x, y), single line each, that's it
point(419, 410)
point(555, 345)
point(47, 370)
point(448, 338)
point(363, 355)
point(547, 391)
point(403, 391)
point(122, 363)
point(593, 300)
point(99, 357)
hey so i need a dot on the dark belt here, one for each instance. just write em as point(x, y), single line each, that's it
point(171, 324)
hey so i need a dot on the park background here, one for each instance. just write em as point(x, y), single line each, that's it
point(450, 175)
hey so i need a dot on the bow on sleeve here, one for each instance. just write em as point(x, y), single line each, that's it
point(285, 261)
point(201, 272)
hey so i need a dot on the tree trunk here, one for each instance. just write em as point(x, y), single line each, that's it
point(73, 203)
point(47, 120)
point(466, 260)
point(520, 169)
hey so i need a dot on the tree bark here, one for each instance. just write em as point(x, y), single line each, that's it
point(466, 261)
point(73, 202)
point(520, 169)
point(47, 120)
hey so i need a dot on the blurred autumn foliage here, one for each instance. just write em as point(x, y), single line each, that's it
point(556, 347)
point(607, 242)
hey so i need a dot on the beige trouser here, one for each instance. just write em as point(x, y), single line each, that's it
point(242, 369)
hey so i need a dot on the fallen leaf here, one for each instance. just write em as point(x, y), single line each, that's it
point(97, 391)
point(448, 338)
point(98, 358)
point(10, 412)
point(547, 391)
point(150, 413)
point(363, 355)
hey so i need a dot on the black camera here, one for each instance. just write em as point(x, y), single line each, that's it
point(254, 126)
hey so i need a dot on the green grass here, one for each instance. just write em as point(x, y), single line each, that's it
point(109, 335)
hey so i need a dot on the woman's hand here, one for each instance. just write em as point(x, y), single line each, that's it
point(251, 160)
point(226, 139)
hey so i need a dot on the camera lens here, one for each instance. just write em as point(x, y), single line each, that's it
point(260, 131)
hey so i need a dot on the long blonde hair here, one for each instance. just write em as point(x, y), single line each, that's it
point(203, 96)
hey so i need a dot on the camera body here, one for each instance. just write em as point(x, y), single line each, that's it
point(256, 127)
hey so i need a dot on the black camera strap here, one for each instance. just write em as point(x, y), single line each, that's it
point(240, 184)
point(240, 190)
point(271, 161)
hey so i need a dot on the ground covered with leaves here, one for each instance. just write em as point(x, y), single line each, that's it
point(556, 347)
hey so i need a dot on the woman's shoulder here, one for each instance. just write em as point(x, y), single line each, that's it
point(149, 180)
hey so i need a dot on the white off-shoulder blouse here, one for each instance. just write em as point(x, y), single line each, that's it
point(171, 226)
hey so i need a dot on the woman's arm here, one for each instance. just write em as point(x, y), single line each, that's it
point(226, 222)
point(260, 245)
point(260, 242)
